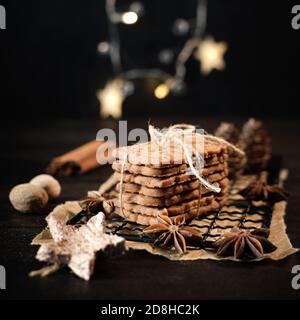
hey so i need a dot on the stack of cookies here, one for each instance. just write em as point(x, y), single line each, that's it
point(157, 184)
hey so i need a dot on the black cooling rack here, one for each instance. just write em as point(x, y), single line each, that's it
point(212, 225)
point(237, 213)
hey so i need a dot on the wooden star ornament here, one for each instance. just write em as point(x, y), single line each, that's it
point(211, 55)
point(111, 99)
point(77, 247)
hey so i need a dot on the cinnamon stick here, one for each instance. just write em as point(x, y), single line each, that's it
point(77, 161)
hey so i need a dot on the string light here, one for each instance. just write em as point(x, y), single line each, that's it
point(211, 55)
point(161, 91)
point(181, 27)
point(103, 47)
point(129, 17)
point(127, 88)
point(166, 56)
point(207, 51)
point(178, 87)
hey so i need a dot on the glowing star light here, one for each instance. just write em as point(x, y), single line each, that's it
point(111, 99)
point(211, 55)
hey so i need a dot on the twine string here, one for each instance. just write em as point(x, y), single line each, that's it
point(121, 183)
point(229, 145)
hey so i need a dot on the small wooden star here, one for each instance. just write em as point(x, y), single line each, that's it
point(111, 99)
point(77, 247)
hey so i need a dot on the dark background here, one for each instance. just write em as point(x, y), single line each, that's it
point(50, 67)
point(49, 73)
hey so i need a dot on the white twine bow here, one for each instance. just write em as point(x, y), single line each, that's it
point(176, 134)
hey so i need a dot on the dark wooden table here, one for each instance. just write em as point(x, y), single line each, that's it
point(26, 148)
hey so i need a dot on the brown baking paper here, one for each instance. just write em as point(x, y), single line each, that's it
point(277, 236)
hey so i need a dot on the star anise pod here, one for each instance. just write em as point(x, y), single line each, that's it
point(262, 191)
point(245, 244)
point(172, 232)
point(95, 203)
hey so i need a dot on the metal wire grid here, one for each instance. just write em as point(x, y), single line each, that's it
point(240, 214)
point(237, 213)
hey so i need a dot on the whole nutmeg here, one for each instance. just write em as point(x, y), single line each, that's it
point(27, 197)
point(47, 182)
